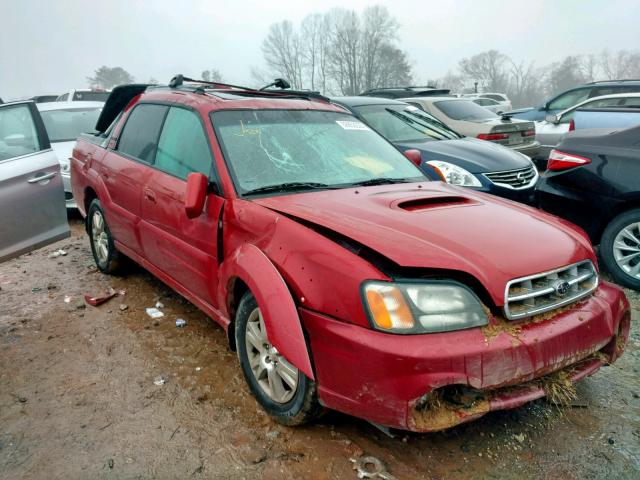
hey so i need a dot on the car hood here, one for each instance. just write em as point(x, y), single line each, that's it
point(475, 156)
point(432, 225)
point(63, 150)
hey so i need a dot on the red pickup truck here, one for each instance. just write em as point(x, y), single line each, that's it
point(344, 278)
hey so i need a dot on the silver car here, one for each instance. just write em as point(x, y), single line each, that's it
point(32, 212)
point(549, 132)
point(65, 121)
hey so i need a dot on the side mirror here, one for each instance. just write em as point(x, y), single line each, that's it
point(414, 155)
point(196, 194)
point(552, 118)
point(543, 108)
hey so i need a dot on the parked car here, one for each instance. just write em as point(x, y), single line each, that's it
point(44, 98)
point(576, 95)
point(463, 161)
point(489, 104)
point(32, 212)
point(501, 98)
point(619, 110)
point(341, 274)
point(593, 180)
point(84, 95)
point(399, 92)
point(472, 120)
point(65, 122)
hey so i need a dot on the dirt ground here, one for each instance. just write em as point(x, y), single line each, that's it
point(78, 399)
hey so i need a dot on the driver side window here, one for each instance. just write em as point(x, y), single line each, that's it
point(569, 99)
point(18, 134)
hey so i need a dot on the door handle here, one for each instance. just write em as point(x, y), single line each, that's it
point(43, 177)
point(149, 195)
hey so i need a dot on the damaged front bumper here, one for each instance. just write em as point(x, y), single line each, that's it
point(417, 382)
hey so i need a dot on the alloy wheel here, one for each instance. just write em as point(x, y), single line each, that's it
point(275, 375)
point(626, 250)
point(99, 237)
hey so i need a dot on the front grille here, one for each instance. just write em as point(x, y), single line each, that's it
point(549, 290)
point(514, 179)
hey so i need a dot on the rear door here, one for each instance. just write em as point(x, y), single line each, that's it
point(183, 248)
point(32, 207)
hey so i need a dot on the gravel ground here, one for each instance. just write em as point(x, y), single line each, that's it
point(78, 399)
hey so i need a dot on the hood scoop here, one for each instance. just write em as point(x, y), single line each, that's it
point(428, 203)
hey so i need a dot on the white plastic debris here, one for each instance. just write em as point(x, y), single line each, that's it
point(198, 369)
point(160, 380)
point(67, 299)
point(181, 323)
point(58, 253)
point(159, 305)
point(154, 313)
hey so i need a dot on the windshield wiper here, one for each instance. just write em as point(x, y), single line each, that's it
point(379, 181)
point(287, 187)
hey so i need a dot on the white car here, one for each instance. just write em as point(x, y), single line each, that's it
point(64, 122)
point(84, 95)
point(501, 98)
point(472, 120)
point(32, 213)
point(489, 104)
point(550, 130)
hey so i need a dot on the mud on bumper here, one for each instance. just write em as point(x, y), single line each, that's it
point(417, 382)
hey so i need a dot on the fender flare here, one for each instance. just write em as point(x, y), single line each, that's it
point(282, 321)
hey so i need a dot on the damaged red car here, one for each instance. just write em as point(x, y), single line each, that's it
point(344, 278)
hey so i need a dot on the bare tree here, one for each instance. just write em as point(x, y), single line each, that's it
point(379, 30)
point(109, 77)
point(212, 75)
point(620, 65)
point(525, 86)
point(487, 68)
point(282, 52)
point(565, 74)
point(314, 38)
point(345, 50)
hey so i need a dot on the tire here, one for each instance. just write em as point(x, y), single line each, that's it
point(299, 402)
point(107, 258)
point(620, 242)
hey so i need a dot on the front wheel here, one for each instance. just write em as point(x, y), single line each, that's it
point(620, 248)
point(284, 392)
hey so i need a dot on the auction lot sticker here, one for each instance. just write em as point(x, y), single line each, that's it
point(347, 125)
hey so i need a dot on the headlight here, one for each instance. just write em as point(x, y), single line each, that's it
point(455, 175)
point(422, 307)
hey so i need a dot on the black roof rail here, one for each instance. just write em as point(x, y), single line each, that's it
point(614, 81)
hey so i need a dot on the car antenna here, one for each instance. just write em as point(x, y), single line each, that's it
point(278, 83)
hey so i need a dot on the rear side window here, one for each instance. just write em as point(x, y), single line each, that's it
point(139, 138)
point(18, 134)
point(183, 146)
point(569, 99)
point(497, 98)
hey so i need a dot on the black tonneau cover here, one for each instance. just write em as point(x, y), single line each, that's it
point(118, 99)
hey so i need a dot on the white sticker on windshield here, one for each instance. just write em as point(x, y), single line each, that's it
point(352, 125)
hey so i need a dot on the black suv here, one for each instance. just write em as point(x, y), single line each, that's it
point(574, 96)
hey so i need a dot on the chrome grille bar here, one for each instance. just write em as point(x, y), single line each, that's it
point(514, 179)
point(546, 291)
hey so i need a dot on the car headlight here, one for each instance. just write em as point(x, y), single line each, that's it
point(454, 174)
point(422, 306)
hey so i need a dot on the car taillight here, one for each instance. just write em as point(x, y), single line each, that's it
point(561, 161)
point(572, 125)
point(493, 136)
point(528, 133)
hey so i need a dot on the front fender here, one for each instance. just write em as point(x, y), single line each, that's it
point(284, 329)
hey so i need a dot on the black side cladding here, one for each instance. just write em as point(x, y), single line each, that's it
point(118, 99)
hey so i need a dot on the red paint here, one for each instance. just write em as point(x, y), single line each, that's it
point(196, 194)
point(299, 255)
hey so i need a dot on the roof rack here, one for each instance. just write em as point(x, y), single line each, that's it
point(203, 87)
point(615, 81)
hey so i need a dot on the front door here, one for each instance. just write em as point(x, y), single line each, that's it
point(32, 206)
point(183, 248)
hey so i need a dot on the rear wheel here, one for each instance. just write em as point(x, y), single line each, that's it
point(620, 248)
point(107, 258)
point(284, 392)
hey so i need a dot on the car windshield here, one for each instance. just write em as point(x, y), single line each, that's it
point(91, 96)
point(285, 150)
point(67, 125)
point(405, 123)
point(464, 110)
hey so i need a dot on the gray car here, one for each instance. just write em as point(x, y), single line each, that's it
point(32, 210)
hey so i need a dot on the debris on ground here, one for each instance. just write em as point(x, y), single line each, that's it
point(370, 467)
point(159, 305)
point(108, 295)
point(36, 289)
point(123, 307)
point(181, 323)
point(154, 313)
point(58, 253)
point(68, 298)
point(160, 380)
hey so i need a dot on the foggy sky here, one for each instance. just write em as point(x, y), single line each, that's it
point(47, 47)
